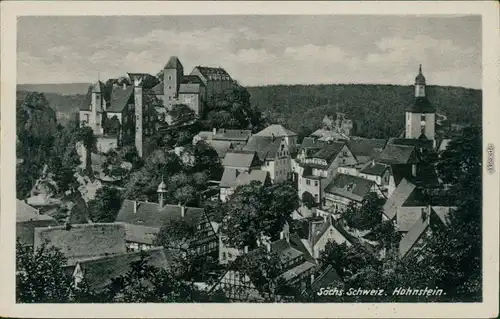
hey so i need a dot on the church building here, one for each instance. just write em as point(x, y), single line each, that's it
point(421, 116)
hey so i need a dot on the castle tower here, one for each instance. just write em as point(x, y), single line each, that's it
point(421, 116)
point(96, 108)
point(139, 109)
point(172, 77)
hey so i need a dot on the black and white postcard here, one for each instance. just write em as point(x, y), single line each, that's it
point(250, 159)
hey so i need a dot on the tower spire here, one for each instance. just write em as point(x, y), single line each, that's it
point(420, 68)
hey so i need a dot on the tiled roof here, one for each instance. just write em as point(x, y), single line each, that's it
point(297, 270)
point(312, 143)
point(351, 187)
point(232, 135)
point(418, 143)
point(365, 146)
point(233, 178)
point(173, 63)
point(192, 79)
point(329, 151)
point(328, 278)
point(285, 250)
point(140, 234)
point(84, 240)
point(276, 130)
point(158, 89)
point(417, 230)
point(189, 88)
point(153, 215)
point(210, 71)
point(266, 147)
point(221, 147)
point(398, 197)
point(239, 158)
point(25, 212)
point(98, 272)
point(27, 219)
point(119, 98)
point(396, 154)
point(86, 101)
point(407, 217)
point(374, 169)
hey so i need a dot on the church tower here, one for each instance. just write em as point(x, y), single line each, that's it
point(172, 77)
point(421, 116)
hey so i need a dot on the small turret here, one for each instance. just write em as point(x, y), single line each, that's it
point(162, 189)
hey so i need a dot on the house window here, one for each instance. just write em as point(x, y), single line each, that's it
point(169, 97)
point(422, 117)
point(308, 182)
point(316, 197)
point(316, 183)
point(169, 77)
point(344, 153)
point(169, 87)
point(282, 147)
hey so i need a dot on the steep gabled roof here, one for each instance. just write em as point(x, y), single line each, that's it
point(99, 271)
point(397, 154)
point(240, 158)
point(98, 87)
point(232, 178)
point(418, 143)
point(365, 146)
point(158, 89)
point(192, 79)
point(211, 71)
point(153, 215)
point(398, 197)
point(266, 147)
point(351, 187)
point(83, 240)
point(140, 234)
point(329, 151)
point(276, 130)
point(375, 169)
point(418, 229)
point(232, 135)
point(119, 99)
point(328, 278)
point(221, 147)
point(173, 63)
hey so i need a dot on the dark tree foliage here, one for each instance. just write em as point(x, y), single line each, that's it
point(232, 109)
point(366, 216)
point(105, 206)
point(377, 110)
point(35, 132)
point(308, 200)
point(206, 160)
point(112, 126)
point(255, 210)
point(41, 277)
point(181, 114)
point(145, 283)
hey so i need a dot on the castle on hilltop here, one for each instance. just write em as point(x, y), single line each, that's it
point(138, 119)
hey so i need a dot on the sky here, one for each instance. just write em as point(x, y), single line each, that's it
point(255, 50)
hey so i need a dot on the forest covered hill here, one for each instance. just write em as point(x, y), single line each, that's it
point(59, 88)
point(376, 110)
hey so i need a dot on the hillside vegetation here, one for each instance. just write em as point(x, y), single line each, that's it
point(377, 110)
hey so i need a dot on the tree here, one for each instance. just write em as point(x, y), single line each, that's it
point(104, 208)
point(114, 165)
point(367, 215)
point(264, 269)
point(112, 126)
point(40, 275)
point(206, 160)
point(181, 114)
point(143, 183)
point(86, 135)
point(146, 283)
point(308, 200)
point(255, 211)
point(386, 234)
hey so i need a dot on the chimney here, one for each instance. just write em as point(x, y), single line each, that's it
point(135, 207)
point(183, 209)
point(414, 170)
point(214, 131)
point(245, 249)
point(312, 279)
point(124, 85)
point(273, 136)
